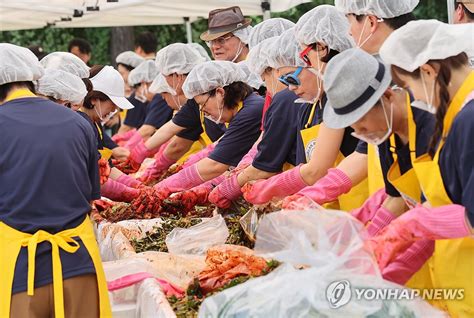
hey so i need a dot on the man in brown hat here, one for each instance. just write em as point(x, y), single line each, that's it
point(227, 34)
point(463, 11)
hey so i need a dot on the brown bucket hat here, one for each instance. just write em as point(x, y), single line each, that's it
point(469, 4)
point(223, 21)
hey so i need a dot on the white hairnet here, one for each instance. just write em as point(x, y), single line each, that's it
point(417, 42)
point(257, 59)
point(61, 85)
point(210, 75)
point(285, 51)
point(380, 8)
point(18, 64)
point(268, 29)
point(201, 50)
point(325, 24)
point(66, 62)
point(252, 79)
point(160, 85)
point(129, 58)
point(177, 58)
point(145, 72)
point(243, 34)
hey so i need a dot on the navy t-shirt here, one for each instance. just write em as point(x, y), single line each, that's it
point(348, 144)
point(189, 117)
point(278, 144)
point(158, 112)
point(425, 123)
point(242, 133)
point(457, 160)
point(47, 183)
point(136, 116)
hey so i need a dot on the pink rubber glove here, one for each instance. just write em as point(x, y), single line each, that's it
point(155, 170)
point(226, 192)
point(327, 189)
point(199, 155)
point(411, 261)
point(382, 218)
point(248, 158)
point(121, 139)
point(136, 158)
point(445, 222)
point(134, 140)
point(128, 181)
point(117, 191)
point(370, 207)
point(132, 279)
point(278, 186)
point(183, 180)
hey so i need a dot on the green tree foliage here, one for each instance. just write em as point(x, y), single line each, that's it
point(52, 39)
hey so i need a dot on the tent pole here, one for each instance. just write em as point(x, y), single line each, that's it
point(189, 32)
point(266, 9)
point(451, 9)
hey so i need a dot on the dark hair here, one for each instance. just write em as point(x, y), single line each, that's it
point(38, 51)
point(82, 44)
point(91, 93)
point(393, 23)
point(6, 88)
point(234, 93)
point(147, 41)
point(469, 14)
point(443, 78)
point(128, 67)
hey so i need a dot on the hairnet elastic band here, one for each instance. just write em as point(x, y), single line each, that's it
point(359, 101)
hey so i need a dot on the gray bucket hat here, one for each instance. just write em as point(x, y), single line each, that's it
point(354, 81)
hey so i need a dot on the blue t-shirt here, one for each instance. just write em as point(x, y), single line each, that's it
point(278, 144)
point(242, 133)
point(136, 116)
point(456, 160)
point(425, 123)
point(158, 112)
point(48, 176)
point(348, 144)
point(189, 117)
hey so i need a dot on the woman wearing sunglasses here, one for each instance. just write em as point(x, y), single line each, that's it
point(319, 147)
point(222, 95)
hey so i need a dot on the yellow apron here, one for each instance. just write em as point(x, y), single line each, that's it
point(105, 153)
point(374, 170)
point(11, 242)
point(358, 194)
point(453, 261)
point(408, 186)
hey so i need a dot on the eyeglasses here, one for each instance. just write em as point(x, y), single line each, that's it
point(220, 41)
point(291, 78)
point(304, 54)
point(201, 106)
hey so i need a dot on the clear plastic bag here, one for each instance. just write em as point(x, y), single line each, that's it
point(197, 239)
point(249, 223)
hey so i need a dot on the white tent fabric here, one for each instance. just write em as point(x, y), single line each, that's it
point(30, 14)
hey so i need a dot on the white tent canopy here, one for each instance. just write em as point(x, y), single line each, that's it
point(31, 14)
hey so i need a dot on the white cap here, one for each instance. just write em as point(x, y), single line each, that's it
point(243, 34)
point(160, 85)
point(380, 8)
point(109, 82)
point(18, 64)
point(129, 58)
point(145, 72)
point(66, 62)
point(417, 42)
point(268, 29)
point(285, 51)
point(177, 58)
point(252, 79)
point(210, 75)
point(61, 86)
point(325, 24)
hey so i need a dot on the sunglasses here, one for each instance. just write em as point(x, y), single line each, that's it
point(304, 54)
point(291, 78)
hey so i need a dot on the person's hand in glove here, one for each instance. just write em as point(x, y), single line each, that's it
point(278, 186)
point(129, 181)
point(326, 190)
point(148, 200)
point(185, 179)
point(226, 192)
point(157, 168)
point(122, 138)
point(117, 191)
point(104, 170)
point(134, 140)
point(136, 158)
point(445, 222)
